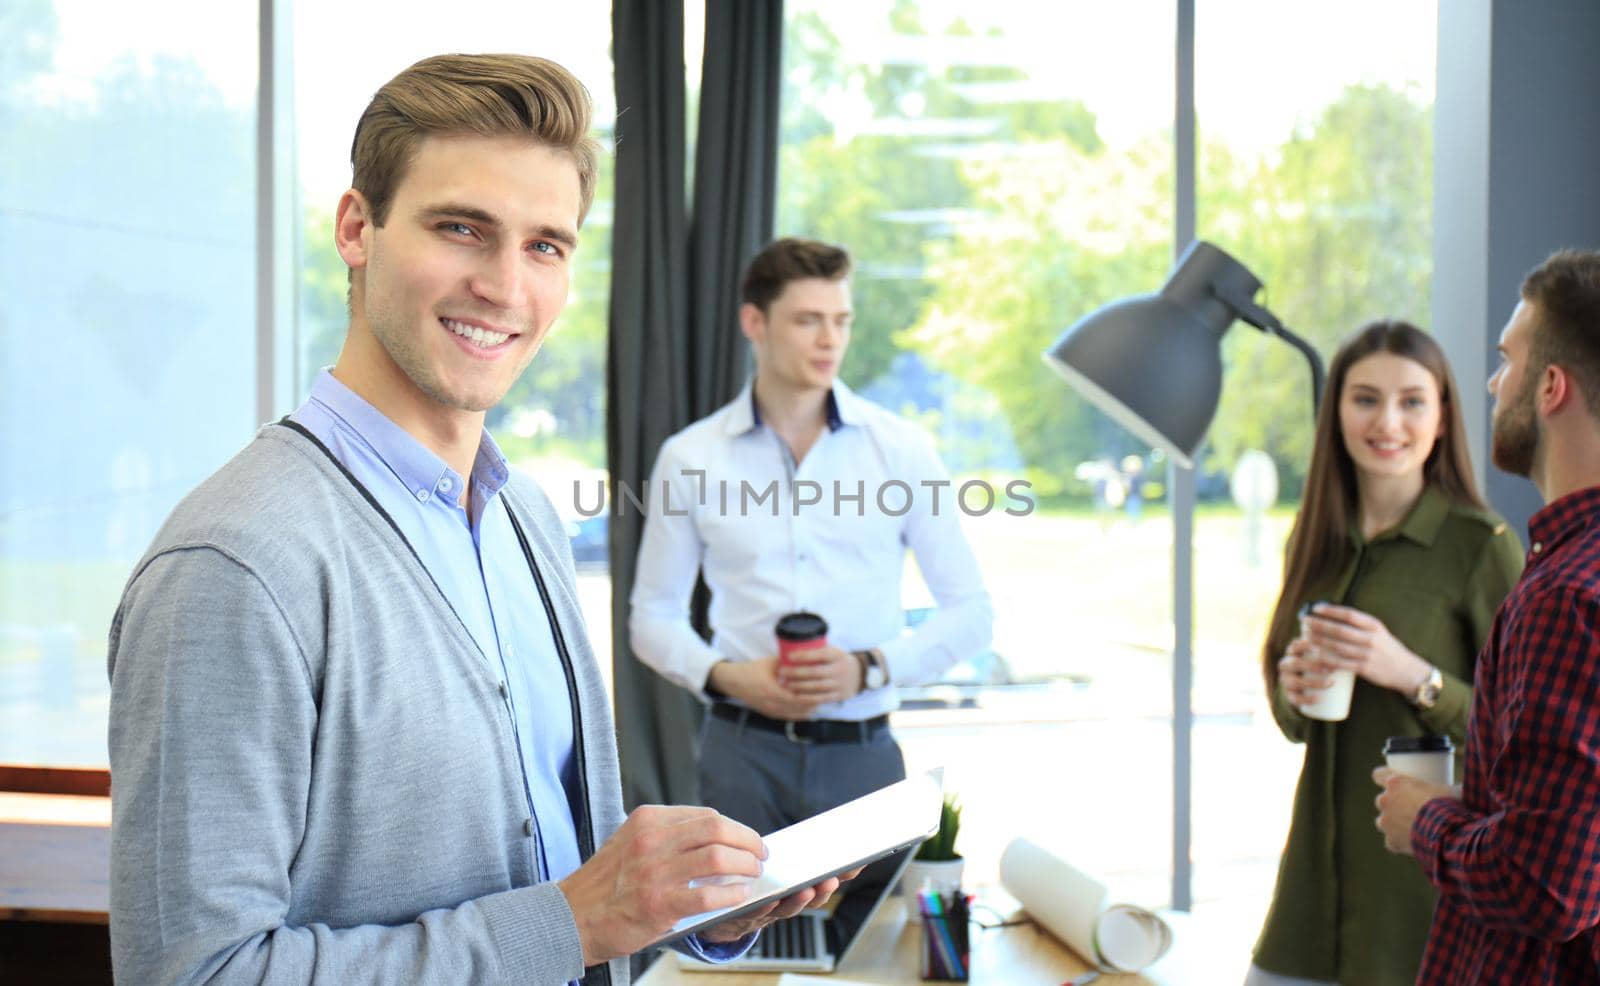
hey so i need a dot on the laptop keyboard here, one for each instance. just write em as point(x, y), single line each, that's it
point(790, 938)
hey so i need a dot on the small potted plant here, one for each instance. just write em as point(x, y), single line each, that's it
point(936, 866)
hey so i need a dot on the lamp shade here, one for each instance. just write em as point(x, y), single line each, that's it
point(1153, 362)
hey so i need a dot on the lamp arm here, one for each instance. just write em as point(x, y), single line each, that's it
point(1311, 356)
point(1250, 312)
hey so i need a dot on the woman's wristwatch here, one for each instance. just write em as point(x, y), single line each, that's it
point(1427, 693)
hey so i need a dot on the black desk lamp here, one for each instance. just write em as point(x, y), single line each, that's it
point(1154, 361)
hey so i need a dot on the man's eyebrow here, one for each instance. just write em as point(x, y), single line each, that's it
point(453, 210)
point(560, 234)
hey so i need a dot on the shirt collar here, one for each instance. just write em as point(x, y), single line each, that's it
point(419, 470)
point(1422, 523)
point(843, 408)
point(1564, 518)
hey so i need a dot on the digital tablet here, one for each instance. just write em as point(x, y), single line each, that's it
point(837, 841)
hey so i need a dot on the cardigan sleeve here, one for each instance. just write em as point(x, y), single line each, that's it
point(214, 714)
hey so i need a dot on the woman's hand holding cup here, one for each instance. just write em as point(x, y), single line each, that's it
point(1349, 638)
point(1317, 682)
point(1307, 680)
point(1301, 675)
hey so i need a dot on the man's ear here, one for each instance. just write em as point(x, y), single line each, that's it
point(753, 323)
point(1556, 390)
point(352, 229)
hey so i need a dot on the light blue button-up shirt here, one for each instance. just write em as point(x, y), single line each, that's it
point(474, 557)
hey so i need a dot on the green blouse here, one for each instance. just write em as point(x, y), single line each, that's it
point(1346, 909)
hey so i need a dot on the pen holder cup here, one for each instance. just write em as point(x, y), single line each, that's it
point(944, 937)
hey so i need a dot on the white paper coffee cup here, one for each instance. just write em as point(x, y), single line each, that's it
point(1331, 704)
point(1427, 758)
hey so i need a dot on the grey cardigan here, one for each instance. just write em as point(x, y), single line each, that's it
point(313, 771)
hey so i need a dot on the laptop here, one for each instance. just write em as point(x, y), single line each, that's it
point(818, 941)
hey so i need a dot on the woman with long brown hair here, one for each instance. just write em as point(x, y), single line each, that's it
point(1404, 566)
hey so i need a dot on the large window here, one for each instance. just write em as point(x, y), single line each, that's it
point(996, 176)
point(999, 171)
point(1315, 167)
point(127, 322)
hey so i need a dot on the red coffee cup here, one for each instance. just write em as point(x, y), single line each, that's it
point(800, 632)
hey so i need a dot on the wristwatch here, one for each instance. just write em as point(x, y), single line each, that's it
point(1427, 693)
point(873, 672)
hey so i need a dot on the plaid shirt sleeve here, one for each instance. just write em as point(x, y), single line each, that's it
point(1530, 862)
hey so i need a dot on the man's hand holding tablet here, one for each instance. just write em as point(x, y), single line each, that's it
point(665, 864)
point(817, 896)
point(804, 857)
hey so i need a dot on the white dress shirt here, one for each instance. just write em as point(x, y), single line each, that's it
point(827, 535)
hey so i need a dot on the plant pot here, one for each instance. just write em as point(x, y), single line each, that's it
point(939, 876)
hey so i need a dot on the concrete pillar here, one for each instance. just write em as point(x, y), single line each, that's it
point(1516, 176)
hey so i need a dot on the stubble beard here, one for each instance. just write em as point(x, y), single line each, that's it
point(409, 351)
point(1514, 435)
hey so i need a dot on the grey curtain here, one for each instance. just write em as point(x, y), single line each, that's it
point(735, 185)
point(675, 353)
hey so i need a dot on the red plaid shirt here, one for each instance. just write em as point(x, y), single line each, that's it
point(1517, 860)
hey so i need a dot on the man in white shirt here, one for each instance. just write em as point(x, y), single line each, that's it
point(800, 496)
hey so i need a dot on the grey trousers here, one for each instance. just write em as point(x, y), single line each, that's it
point(767, 781)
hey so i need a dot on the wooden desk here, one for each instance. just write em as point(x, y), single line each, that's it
point(55, 858)
point(1024, 955)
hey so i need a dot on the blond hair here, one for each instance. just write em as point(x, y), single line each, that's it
point(483, 95)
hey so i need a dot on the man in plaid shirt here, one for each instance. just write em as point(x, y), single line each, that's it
point(1515, 852)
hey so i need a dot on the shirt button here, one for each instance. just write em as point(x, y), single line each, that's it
point(527, 827)
point(1537, 547)
point(445, 484)
point(422, 495)
point(504, 691)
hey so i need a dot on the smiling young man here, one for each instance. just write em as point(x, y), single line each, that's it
point(358, 733)
point(801, 496)
point(1515, 851)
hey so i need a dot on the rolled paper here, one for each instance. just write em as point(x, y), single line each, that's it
point(1071, 904)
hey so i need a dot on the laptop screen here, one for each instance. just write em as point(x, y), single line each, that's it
point(861, 900)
